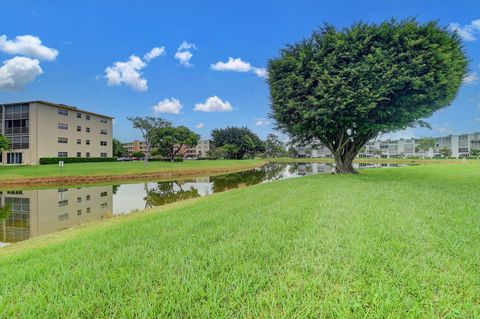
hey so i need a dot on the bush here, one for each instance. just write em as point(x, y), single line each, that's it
point(56, 160)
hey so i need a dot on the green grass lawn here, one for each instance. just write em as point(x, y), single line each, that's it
point(117, 168)
point(388, 243)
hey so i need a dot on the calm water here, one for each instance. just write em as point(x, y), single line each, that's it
point(34, 212)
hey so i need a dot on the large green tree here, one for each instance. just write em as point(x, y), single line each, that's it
point(118, 149)
point(425, 144)
point(147, 126)
point(170, 140)
point(342, 87)
point(237, 142)
point(274, 147)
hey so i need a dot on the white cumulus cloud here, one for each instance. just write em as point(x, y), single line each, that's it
point(213, 104)
point(477, 119)
point(154, 53)
point(27, 45)
point(235, 65)
point(470, 78)
point(184, 55)
point(238, 65)
point(186, 46)
point(262, 122)
point(467, 32)
point(127, 73)
point(200, 125)
point(168, 106)
point(17, 72)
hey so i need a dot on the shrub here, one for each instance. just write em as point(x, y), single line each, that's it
point(56, 160)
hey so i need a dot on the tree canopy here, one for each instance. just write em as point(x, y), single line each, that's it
point(118, 149)
point(169, 140)
point(147, 126)
point(237, 142)
point(342, 87)
point(4, 143)
point(274, 147)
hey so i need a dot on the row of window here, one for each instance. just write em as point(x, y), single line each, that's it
point(79, 154)
point(64, 126)
point(64, 140)
point(63, 217)
point(79, 115)
point(64, 202)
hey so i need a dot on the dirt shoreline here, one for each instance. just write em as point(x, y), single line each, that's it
point(98, 179)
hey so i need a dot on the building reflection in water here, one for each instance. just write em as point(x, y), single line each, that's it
point(36, 212)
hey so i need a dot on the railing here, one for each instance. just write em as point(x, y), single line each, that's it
point(17, 116)
point(17, 146)
point(16, 130)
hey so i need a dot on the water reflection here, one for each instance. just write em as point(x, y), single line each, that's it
point(35, 212)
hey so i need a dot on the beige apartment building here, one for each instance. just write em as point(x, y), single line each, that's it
point(39, 129)
point(135, 146)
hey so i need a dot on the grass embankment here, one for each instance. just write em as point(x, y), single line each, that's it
point(81, 173)
point(370, 160)
point(388, 243)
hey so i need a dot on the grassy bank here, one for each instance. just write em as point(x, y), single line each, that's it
point(80, 173)
point(371, 160)
point(389, 243)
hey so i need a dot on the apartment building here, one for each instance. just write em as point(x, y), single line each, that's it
point(135, 146)
point(39, 129)
point(459, 146)
point(198, 151)
point(38, 212)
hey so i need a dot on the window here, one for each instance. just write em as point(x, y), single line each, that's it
point(62, 112)
point(104, 121)
point(87, 197)
point(103, 132)
point(62, 217)
point(103, 194)
point(79, 154)
point(103, 155)
point(62, 140)
point(103, 143)
point(87, 154)
point(61, 190)
point(63, 126)
point(87, 129)
point(79, 115)
point(87, 117)
point(79, 199)
point(104, 205)
point(62, 154)
point(79, 212)
point(88, 210)
point(87, 142)
point(79, 128)
point(62, 203)
point(79, 141)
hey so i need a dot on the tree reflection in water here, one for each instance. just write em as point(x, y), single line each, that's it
point(168, 192)
point(247, 178)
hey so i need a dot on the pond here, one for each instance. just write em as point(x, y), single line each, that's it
point(27, 213)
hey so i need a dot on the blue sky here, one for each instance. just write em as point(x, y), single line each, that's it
point(82, 40)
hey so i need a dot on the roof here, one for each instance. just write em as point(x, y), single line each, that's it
point(63, 106)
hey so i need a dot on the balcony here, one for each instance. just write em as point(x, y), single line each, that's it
point(17, 146)
point(16, 130)
point(17, 116)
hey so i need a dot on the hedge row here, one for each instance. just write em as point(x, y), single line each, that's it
point(55, 160)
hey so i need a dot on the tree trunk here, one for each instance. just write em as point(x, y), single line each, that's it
point(343, 164)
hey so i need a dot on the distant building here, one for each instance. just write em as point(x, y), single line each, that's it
point(198, 151)
point(459, 146)
point(39, 129)
point(135, 146)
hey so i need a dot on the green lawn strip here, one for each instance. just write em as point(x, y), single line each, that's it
point(389, 243)
point(117, 168)
point(373, 160)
